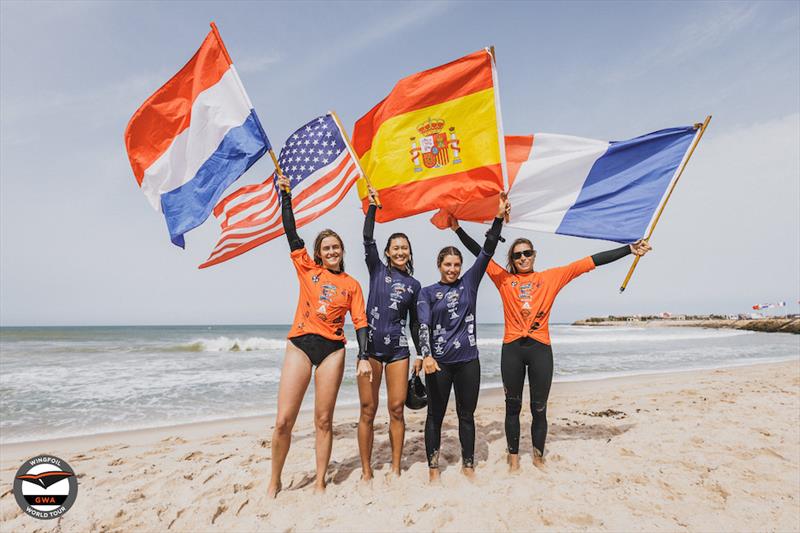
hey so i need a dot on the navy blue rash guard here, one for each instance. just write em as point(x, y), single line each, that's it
point(392, 297)
point(448, 309)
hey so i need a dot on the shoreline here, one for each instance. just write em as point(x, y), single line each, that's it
point(764, 325)
point(249, 422)
point(611, 442)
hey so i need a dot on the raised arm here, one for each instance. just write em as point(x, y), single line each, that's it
point(468, 242)
point(476, 271)
point(639, 248)
point(370, 249)
point(287, 215)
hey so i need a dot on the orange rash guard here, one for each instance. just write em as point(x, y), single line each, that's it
point(528, 298)
point(325, 298)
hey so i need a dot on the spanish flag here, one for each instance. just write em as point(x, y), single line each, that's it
point(435, 141)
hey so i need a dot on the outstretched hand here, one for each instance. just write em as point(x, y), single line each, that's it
point(640, 247)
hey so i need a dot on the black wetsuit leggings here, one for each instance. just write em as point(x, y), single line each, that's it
point(537, 358)
point(465, 378)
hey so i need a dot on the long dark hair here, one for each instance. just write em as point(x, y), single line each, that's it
point(318, 245)
point(410, 262)
point(444, 252)
point(510, 266)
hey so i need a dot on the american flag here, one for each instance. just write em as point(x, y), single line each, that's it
point(321, 168)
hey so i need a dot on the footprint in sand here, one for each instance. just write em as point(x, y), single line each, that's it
point(192, 456)
point(239, 510)
point(443, 519)
point(582, 519)
point(221, 508)
point(178, 515)
point(135, 496)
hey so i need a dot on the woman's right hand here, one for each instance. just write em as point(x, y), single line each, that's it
point(283, 183)
point(417, 366)
point(430, 365)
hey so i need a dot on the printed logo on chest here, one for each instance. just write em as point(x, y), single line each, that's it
point(326, 295)
point(396, 294)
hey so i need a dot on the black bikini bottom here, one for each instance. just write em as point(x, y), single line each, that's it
point(316, 347)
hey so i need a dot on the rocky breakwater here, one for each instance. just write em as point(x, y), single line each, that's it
point(769, 325)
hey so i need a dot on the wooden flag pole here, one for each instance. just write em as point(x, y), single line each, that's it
point(702, 127)
point(355, 156)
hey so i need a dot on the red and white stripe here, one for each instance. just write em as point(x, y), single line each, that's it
point(251, 215)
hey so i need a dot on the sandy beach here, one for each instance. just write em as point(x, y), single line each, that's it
point(714, 450)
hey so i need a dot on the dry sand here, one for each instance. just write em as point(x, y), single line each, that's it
point(715, 450)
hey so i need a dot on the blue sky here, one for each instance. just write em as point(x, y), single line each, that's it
point(80, 245)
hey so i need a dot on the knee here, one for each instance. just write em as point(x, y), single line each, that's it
point(513, 406)
point(323, 422)
point(368, 410)
point(396, 410)
point(539, 410)
point(434, 419)
point(283, 425)
point(465, 415)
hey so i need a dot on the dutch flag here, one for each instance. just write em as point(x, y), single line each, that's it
point(194, 137)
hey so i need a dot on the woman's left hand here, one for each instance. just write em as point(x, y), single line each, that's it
point(283, 183)
point(364, 369)
point(640, 247)
point(503, 206)
point(372, 194)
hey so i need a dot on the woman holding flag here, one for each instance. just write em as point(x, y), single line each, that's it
point(316, 340)
point(392, 300)
point(448, 340)
point(528, 297)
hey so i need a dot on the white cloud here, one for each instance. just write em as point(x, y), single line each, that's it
point(252, 64)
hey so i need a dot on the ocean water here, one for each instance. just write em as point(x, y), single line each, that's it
point(66, 381)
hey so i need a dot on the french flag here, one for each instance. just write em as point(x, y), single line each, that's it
point(194, 137)
point(583, 187)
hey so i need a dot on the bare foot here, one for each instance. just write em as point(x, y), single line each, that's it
point(319, 487)
point(513, 462)
point(366, 475)
point(273, 490)
point(469, 472)
point(433, 476)
point(392, 474)
point(538, 460)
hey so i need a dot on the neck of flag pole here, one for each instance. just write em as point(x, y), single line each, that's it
point(353, 154)
point(221, 44)
point(701, 127)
